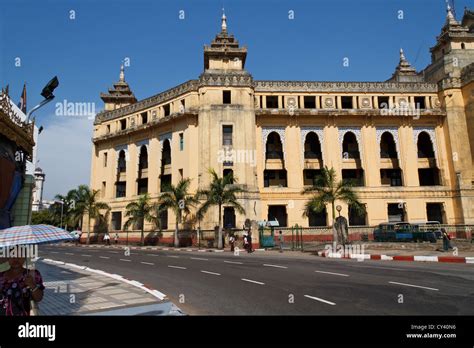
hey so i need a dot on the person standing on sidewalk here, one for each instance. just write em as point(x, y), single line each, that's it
point(107, 238)
point(249, 240)
point(116, 238)
point(232, 242)
point(446, 238)
point(18, 287)
point(280, 239)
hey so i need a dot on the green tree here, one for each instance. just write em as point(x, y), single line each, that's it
point(221, 191)
point(138, 212)
point(327, 190)
point(179, 201)
point(89, 205)
point(42, 217)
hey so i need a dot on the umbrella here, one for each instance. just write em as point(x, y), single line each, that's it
point(32, 234)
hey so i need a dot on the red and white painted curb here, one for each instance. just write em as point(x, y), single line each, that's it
point(159, 295)
point(452, 259)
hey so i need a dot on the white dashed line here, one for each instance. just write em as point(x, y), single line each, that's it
point(113, 252)
point(152, 255)
point(277, 266)
point(126, 260)
point(86, 255)
point(415, 286)
point(54, 252)
point(148, 263)
point(211, 273)
point(104, 257)
point(199, 258)
point(234, 262)
point(320, 300)
point(252, 281)
point(177, 267)
point(338, 274)
point(69, 253)
point(176, 257)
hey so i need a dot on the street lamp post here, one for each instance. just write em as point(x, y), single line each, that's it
point(47, 93)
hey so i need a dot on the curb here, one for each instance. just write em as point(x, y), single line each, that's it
point(159, 295)
point(360, 257)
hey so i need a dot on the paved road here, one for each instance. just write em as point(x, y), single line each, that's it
point(273, 283)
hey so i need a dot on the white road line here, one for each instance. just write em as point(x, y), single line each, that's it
point(176, 257)
point(86, 255)
point(177, 267)
point(415, 286)
point(148, 263)
point(277, 266)
point(113, 252)
point(252, 281)
point(166, 249)
point(126, 260)
point(199, 258)
point(320, 300)
point(211, 273)
point(237, 263)
point(54, 252)
point(338, 274)
point(152, 255)
point(69, 253)
point(104, 257)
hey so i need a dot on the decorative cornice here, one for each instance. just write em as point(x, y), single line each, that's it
point(226, 79)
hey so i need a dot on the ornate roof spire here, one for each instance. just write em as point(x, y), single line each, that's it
point(402, 55)
point(224, 22)
point(450, 19)
point(122, 73)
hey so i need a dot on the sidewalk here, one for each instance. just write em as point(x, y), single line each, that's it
point(73, 290)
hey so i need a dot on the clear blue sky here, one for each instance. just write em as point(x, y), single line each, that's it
point(164, 50)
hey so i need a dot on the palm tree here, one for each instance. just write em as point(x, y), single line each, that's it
point(326, 189)
point(89, 205)
point(178, 200)
point(220, 192)
point(138, 212)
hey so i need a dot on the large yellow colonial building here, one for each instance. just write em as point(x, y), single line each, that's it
point(407, 142)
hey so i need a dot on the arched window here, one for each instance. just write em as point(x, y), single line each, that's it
point(122, 166)
point(274, 147)
point(350, 147)
point(166, 153)
point(425, 146)
point(388, 149)
point(312, 146)
point(143, 160)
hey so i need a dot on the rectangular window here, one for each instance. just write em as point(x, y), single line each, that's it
point(104, 187)
point(346, 103)
point(121, 187)
point(420, 103)
point(166, 109)
point(105, 159)
point(142, 186)
point(226, 99)
point(144, 117)
point(226, 135)
point(116, 221)
point(383, 102)
point(181, 141)
point(183, 105)
point(309, 102)
point(123, 124)
point(261, 102)
point(180, 173)
point(108, 129)
point(272, 101)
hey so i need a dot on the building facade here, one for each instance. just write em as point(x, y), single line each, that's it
point(407, 142)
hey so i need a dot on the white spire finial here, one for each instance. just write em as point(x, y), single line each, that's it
point(122, 74)
point(402, 55)
point(224, 21)
point(450, 16)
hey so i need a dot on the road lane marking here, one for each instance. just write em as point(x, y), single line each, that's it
point(177, 267)
point(234, 262)
point(104, 257)
point(152, 255)
point(54, 252)
point(252, 281)
point(69, 253)
point(176, 257)
point(86, 255)
point(126, 260)
point(211, 273)
point(113, 252)
point(338, 274)
point(148, 263)
point(270, 265)
point(320, 300)
point(199, 258)
point(415, 286)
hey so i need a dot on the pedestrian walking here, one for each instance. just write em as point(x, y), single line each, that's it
point(446, 239)
point(116, 238)
point(280, 239)
point(246, 241)
point(249, 240)
point(107, 238)
point(232, 242)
